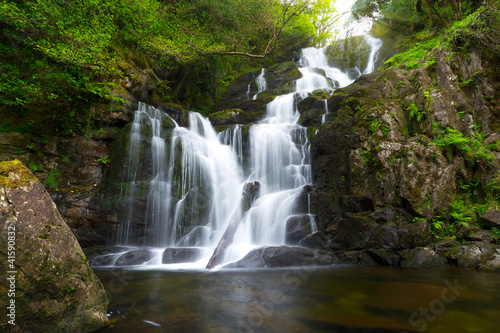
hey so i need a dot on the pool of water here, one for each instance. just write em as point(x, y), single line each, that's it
point(340, 299)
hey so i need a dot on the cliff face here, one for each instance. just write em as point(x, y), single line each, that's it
point(408, 156)
point(50, 285)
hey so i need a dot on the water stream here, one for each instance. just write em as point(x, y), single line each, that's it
point(304, 300)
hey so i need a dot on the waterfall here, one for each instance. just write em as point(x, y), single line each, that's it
point(375, 44)
point(261, 83)
point(197, 176)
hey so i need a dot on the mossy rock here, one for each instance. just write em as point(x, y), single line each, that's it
point(56, 291)
point(14, 174)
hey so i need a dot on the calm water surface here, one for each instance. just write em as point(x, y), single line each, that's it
point(342, 299)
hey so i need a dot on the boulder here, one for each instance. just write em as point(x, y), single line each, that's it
point(491, 219)
point(101, 255)
point(422, 257)
point(55, 288)
point(314, 241)
point(180, 255)
point(474, 254)
point(492, 265)
point(134, 257)
point(282, 256)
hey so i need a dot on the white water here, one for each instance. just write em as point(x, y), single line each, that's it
point(198, 175)
point(261, 83)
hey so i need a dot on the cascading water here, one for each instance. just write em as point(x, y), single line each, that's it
point(198, 176)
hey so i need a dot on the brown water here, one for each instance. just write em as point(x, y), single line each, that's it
point(342, 299)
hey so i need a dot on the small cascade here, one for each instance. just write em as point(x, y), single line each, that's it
point(375, 45)
point(261, 83)
point(323, 119)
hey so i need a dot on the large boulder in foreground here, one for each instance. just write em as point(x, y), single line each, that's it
point(55, 289)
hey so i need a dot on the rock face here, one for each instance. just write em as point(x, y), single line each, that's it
point(387, 173)
point(55, 289)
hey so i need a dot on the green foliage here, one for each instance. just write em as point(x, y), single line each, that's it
point(496, 235)
point(34, 167)
point(104, 160)
point(415, 112)
point(52, 181)
point(471, 148)
point(70, 54)
point(414, 57)
point(376, 125)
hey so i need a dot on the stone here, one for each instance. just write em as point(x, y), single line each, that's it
point(56, 290)
point(491, 219)
point(282, 256)
point(474, 254)
point(135, 257)
point(492, 265)
point(314, 241)
point(384, 257)
point(101, 255)
point(180, 255)
point(422, 257)
point(297, 227)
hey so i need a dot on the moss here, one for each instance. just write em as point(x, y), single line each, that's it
point(14, 174)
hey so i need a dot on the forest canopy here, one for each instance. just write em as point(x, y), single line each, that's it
point(70, 53)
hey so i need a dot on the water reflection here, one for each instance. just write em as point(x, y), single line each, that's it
point(345, 299)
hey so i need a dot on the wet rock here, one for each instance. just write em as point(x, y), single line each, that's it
point(421, 257)
point(180, 255)
point(491, 219)
point(297, 227)
point(56, 290)
point(135, 257)
point(101, 255)
point(193, 238)
point(233, 117)
point(251, 192)
point(314, 241)
point(282, 256)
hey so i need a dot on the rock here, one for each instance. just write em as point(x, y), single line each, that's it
point(352, 233)
point(491, 219)
point(314, 241)
point(14, 145)
point(180, 255)
point(193, 238)
point(474, 254)
point(479, 236)
point(421, 257)
point(492, 265)
point(101, 255)
point(135, 257)
point(383, 257)
point(282, 256)
point(251, 192)
point(56, 291)
point(297, 227)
